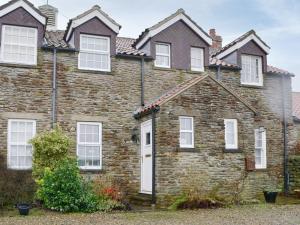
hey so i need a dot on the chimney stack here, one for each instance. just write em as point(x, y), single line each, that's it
point(51, 12)
point(216, 39)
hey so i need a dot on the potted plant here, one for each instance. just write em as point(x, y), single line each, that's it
point(23, 208)
point(271, 194)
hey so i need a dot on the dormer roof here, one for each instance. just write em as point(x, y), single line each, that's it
point(178, 15)
point(29, 7)
point(240, 42)
point(95, 11)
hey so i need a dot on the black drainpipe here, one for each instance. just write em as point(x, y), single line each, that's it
point(142, 80)
point(153, 201)
point(219, 72)
point(54, 89)
point(285, 169)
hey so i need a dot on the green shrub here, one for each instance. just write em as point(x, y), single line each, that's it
point(49, 148)
point(63, 189)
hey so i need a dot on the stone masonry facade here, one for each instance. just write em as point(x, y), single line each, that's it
point(111, 98)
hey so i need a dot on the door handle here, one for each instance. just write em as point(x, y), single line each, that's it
point(148, 155)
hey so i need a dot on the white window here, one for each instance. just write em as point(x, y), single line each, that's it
point(260, 149)
point(19, 45)
point(197, 59)
point(20, 132)
point(186, 132)
point(89, 145)
point(94, 53)
point(251, 73)
point(231, 134)
point(162, 58)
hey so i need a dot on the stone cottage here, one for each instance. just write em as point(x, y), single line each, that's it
point(160, 112)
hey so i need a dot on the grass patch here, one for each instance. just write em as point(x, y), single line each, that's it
point(12, 212)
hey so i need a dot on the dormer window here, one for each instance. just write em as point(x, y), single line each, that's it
point(197, 59)
point(162, 58)
point(94, 53)
point(19, 45)
point(251, 73)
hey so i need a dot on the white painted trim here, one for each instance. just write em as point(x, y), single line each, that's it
point(28, 8)
point(3, 42)
point(9, 138)
point(161, 54)
point(96, 52)
point(186, 131)
point(235, 131)
point(98, 144)
point(168, 23)
point(77, 22)
point(241, 44)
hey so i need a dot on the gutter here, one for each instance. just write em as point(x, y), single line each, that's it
point(285, 149)
point(54, 89)
point(142, 81)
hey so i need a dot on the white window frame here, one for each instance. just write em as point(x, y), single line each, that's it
point(82, 50)
point(235, 132)
point(90, 143)
point(162, 54)
point(263, 149)
point(9, 142)
point(186, 131)
point(258, 69)
point(201, 68)
point(3, 41)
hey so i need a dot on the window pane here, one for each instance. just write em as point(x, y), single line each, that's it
point(19, 44)
point(197, 58)
point(148, 138)
point(186, 124)
point(162, 49)
point(186, 138)
point(251, 69)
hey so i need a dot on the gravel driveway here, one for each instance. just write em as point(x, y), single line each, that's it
point(259, 214)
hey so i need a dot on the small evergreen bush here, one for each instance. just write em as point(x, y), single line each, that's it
point(64, 190)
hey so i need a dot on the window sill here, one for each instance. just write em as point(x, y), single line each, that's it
point(163, 68)
point(91, 170)
point(18, 65)
point(20, 169)
point(94, 72)
point(232, 151)
point(252, 86)
point(186, 150)
point(261, 170)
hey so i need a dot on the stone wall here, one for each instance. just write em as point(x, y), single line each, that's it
point(179, 169)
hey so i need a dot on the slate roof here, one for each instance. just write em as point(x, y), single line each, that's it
point(296, 104)
point(239, 39)
point(56, 39)
point(218, 62)
point(179, 11)
point(172, 93)
point(123, 45)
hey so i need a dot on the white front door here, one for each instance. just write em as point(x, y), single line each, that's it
point(146, 157)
